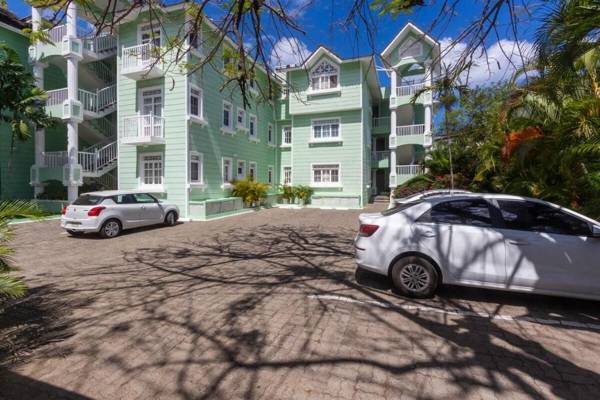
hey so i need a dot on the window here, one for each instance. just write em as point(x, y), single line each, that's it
point(195, 37)
point(286, 134)
point(124, 199)
point(143, 198)
point(285, 91)
point(537, 217)
point(324, 76)
point(227, 170)
point(150, 33)
point(253, 126)
point(252, 171)
point(196, 167)
point(326, 130)
point(287, 175)
point(151, 101)
point(88, 200)
point(227, 123)
point(270, 134)
point(241, 169)
point(151, 169)
point(410, 48)
point(474, 212)
point(270, 175)
point(196, 102)
point(326, 174)
point(241, 118)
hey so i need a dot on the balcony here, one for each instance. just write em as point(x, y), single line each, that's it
point(89, 45)
point(95, 104)
point(143, 130)
point(410, 134)
point(380, 125)
point(405, 93)
point(405, 173)
point(141, 62)
point(380, 159)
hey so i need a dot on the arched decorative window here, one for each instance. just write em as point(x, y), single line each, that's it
point(324, 76)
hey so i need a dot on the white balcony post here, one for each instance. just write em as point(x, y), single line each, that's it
point(428, 105)
point(72, 89)
point(38, 73)
point(394, 79)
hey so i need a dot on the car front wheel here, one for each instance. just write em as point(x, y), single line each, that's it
point(415, 277)
point(171, 218)
point(110, 229)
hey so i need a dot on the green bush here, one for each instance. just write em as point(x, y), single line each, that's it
point(288, 193)
point(251, 191)
point(303, 192)
point(53, 190)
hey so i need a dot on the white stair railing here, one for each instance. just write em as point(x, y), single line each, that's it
point(405, 130)
point(91, 101)
point(57, 33)
point(56, 97)
point(106, 155)
point(411, 169)
point(92, 159)
point(107, 97)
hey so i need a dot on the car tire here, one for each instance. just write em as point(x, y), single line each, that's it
point(171, 218)
point(74, 233)
point(110, 228)
point(415, 277)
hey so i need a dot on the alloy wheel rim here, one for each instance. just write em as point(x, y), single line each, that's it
point(414, 277)
point(111, 229)
point(171, 219)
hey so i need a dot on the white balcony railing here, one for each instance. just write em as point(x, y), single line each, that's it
point(381, 122)
point(56, 97)
point(380, 155)
point(143, 126)
point(100, 44)
point(55, 159)
point(409, 90)
point(138, 57)
point(96, 101)
point(92, 160)
point(406, 130)
point(57, 33)
point(409, 170)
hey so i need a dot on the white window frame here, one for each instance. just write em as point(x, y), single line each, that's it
point(151, 27)
point(141, 169)
point(252, 136)
point(270, 174)
point(243, 175)
point(227, 179)
point(141, 99)
point(283, 142)
point(197, 47)
point(270, 134)
point(283, 178)
point(324, 78)
point(224, 128)
point(320, 122)
point(325, 184)
point(244, 124)
point(200, 168)
point(200, 97)
point(403, 48)
point(253, 165)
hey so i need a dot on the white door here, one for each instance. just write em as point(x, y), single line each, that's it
point(151, 109)
point(150, 210)
point(128, 210)
point(549, 249)
point(463, 237)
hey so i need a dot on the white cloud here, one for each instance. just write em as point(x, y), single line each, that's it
point(288, 51)
point(503, 57)
point(296, 8)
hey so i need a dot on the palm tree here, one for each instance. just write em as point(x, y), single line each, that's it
point(11, 286)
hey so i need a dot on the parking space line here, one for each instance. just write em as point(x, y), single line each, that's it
point(465, 313)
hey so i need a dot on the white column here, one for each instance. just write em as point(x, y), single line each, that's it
point(72, 89)
point(38, 73)
point(429, 104)
point(394, 83)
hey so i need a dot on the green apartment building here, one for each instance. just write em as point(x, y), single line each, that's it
point(131, 120)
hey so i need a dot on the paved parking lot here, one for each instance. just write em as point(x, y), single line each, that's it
point(270, 305)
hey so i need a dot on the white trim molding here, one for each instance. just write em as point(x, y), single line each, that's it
point(330, 123)
point(324, 166)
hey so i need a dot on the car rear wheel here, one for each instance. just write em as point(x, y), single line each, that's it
point(110, 229)
point(415, 277)
point(171, 218)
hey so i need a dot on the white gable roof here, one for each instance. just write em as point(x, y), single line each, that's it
point(322, 50)
point(410, 27)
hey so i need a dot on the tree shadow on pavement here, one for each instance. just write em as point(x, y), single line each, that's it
point(238, 315)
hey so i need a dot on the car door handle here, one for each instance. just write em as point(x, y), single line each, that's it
point(518, 242)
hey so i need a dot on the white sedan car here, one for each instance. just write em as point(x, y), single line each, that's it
point(110, 212)
point(493, 241)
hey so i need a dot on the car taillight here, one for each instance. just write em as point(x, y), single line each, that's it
point(367, 229)
point(64, 210)
point(95, 211)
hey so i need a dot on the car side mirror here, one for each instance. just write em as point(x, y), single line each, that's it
point(596, 231)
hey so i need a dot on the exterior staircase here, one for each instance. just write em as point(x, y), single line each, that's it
point(95, 160)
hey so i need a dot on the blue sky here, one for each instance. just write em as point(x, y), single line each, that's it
point(322, 21)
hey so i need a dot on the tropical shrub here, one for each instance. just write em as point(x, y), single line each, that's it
point(288, 193)
point(11, 286)
point(303, 193)
point(252, 192)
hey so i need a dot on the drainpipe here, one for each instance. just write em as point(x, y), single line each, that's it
point(72, 89)
point(393, 119)
point(40, 133)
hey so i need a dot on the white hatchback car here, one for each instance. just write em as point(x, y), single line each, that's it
point(493, 241)
point(110, 212)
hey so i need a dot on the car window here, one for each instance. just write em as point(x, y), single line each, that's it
point(124, 199)
point(537, 217)
point(474, 212)
point(88, 200)
point(144, 198)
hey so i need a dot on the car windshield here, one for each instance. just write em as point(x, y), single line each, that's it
point(399, 207)
point(88, 200)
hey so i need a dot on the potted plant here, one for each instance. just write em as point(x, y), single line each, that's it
point(287, 194)
point(303, 193)
point(250, 191)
